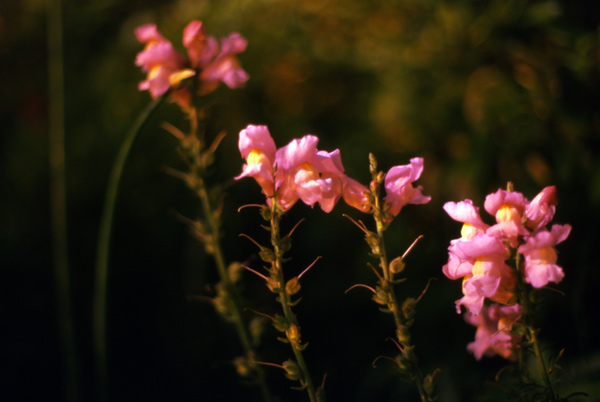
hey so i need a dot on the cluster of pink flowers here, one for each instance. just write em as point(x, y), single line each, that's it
point(208, 60)
point(479, 259)
point(299, 171)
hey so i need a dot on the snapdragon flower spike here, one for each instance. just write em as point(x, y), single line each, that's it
point(494, 331)
point(540, 256)
point(399, 189)
point(208, 60)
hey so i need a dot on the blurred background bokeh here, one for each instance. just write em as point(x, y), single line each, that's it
point(486, 92)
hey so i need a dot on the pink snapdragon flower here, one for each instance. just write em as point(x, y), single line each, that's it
point(468, 214)
point(159, 59)
point(540, 256)
point(489, 276)
point(473, 225)
point(305, 173)
point(494, 336)
point(225, 67)
point(258, 148)
point(508, 208)
point(210, 62)
point(541, 209)
point(399, 189)
point(298, 171)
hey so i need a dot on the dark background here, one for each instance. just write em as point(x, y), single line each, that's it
point(486, 92)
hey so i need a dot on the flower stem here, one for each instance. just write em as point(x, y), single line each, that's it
point(234, 297)
point(415, 374)
point(388, 286)
point(284, 299)
point(103, 250)
point(56, 154)
point(532, 332)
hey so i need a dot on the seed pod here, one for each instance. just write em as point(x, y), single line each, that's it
point(429, 384)
point(408, 308)
point(292, 286)
point(266, 255)
point(397, 265)
point(403, 334)
point(265, 212)
point(280, 323)
point(292, 370)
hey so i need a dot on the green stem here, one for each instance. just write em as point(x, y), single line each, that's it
point(284, 299)
point(58, 202)
point(531, 332)
point(103, 249)
point(234, 297)
point(387, 284)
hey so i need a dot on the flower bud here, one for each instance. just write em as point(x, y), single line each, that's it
point(373, 186)
point(372, 164)
point(293, 335)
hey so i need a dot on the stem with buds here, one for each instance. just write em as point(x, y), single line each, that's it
point(199, 159)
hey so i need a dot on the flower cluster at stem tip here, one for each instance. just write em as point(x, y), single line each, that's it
point(299, 171)
point(208, 60)
point(479, 257)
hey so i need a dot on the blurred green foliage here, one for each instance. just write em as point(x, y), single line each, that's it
point(486, 92)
